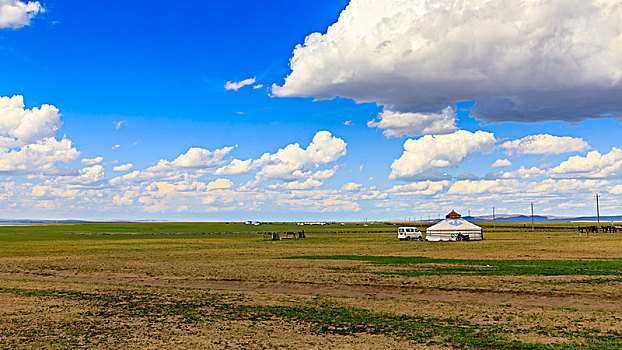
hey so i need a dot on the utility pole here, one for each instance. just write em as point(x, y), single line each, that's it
point(597, 211)
point(494, 223)
point(469, 213)
point(532, 228)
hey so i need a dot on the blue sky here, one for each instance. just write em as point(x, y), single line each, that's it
point(385, 112)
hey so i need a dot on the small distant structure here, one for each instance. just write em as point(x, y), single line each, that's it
point(276, 236)
point(256, 223)
point(310, 223)
point(454, 228)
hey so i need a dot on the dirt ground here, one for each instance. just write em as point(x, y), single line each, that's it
point(238, 293)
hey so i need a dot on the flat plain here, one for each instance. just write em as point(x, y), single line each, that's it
point(517, 289)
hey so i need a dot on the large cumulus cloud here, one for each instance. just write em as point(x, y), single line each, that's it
point(27, 142)
point(526, 61)
point(16, 14)
point(423, 158)
point(293, 162)
point(20, 126)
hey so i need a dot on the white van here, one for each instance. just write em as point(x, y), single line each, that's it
point(408, 233)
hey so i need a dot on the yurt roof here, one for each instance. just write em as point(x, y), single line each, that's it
point(453, 214)
point(454, 225)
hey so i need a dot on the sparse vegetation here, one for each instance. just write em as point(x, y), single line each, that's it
point(423, 266)
point(514, 290)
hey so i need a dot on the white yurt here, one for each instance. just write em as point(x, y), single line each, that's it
point(454, 228)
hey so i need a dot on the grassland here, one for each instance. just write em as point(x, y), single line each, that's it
point(515, 290)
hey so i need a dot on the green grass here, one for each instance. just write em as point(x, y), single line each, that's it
point(431, 266)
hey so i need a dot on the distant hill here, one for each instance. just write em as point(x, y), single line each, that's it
point(541, 218)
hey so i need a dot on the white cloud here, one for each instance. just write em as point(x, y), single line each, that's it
point(119, 124)
point(219, 184)
point(122, 200)
point(420, 188)
point(542, 189)
point(501, 163)
point(92, 161)
point(288, 180)
point(201, 158)
point(468, 187)
point(293, 162)
point(320, 203)
point(521, 61)
point(6, 190)
point(38, 157)
point(87, 175)
point(544, 144)
point(115, 146)
point(258, 86)
point(415, 124)
point(616, 189)
point(237, 85)
point(347, 123)
point(16, 14)
point(236, 167)
point(288, 164)
point(308, 184)
point(86, 185)
point(521, 173)
point(20, 126)
point(351, 186)
point(325, 174)
point(375, 195)
point(195, 162)
point(569, 187)
point(593, 165)
point(123, 167)
point(27, 142)
point(568, 205)
point(423, 157)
